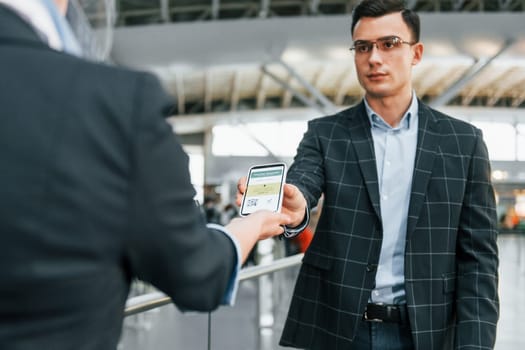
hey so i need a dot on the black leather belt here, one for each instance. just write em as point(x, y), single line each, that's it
point(386, 313)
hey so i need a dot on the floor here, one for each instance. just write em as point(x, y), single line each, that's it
point(237, 327)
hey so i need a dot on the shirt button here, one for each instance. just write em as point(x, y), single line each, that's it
point(385, 197)
point(387, 163)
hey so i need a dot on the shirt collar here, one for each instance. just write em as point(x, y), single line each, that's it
point(35, 14)
point(48, 23)
point(376, 121)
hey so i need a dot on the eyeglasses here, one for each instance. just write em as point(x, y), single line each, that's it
point(386, 44)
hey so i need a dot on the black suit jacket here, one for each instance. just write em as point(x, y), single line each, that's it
point(94, 191)
point(451, 253)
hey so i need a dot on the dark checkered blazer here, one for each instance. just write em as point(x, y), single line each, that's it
point(451, 262)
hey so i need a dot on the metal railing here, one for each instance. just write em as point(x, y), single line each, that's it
point(153, 300)
point(142, 335)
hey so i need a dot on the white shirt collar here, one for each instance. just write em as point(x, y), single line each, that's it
point(36, 15)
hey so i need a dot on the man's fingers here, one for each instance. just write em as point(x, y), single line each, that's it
point(241, 188)
point(241, 185)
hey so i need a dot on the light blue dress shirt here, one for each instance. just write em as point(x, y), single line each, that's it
point(69, 41)
point(395, 151)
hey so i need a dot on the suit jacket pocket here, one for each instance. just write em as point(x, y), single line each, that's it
point(318, 259)
point(449, 282)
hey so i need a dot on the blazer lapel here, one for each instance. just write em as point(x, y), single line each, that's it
point(428, 139)
point(361, 138)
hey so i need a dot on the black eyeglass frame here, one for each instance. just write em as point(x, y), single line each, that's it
point(379, 43)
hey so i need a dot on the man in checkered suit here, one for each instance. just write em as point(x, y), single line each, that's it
point(404, 255)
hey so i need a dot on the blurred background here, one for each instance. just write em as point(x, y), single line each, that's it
point(248, 75)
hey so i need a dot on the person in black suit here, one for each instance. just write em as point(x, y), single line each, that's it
point(404, 255)
point(95, 191)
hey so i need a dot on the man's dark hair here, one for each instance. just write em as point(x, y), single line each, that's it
point(378, 8)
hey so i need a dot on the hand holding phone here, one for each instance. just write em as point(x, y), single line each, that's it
point(264, 188)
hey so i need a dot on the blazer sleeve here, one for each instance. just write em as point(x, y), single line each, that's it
point(477, 257)
point(306, 171)
point(170, 245)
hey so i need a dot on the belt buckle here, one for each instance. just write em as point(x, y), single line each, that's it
point(365, 315)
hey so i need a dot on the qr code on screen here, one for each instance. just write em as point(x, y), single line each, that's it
point(252, 202)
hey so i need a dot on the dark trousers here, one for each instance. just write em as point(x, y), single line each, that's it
point(383, 336)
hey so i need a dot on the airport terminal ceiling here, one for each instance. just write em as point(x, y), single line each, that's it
point(223, 58)
point(231, 62)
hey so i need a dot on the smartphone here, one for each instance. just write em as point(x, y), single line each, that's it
point(264, 188)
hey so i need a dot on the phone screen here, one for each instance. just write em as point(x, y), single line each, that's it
point(264, 188)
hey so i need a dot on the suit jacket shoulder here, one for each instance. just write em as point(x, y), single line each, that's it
point(343, 116)
point(447, 123)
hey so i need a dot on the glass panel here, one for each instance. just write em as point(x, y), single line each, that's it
point(281, 138)
point(520, 205)
point(237, 327)
point(167, 328)
point(196, 165)
point(520, 142)
point(500, 139)
point(234, 141)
